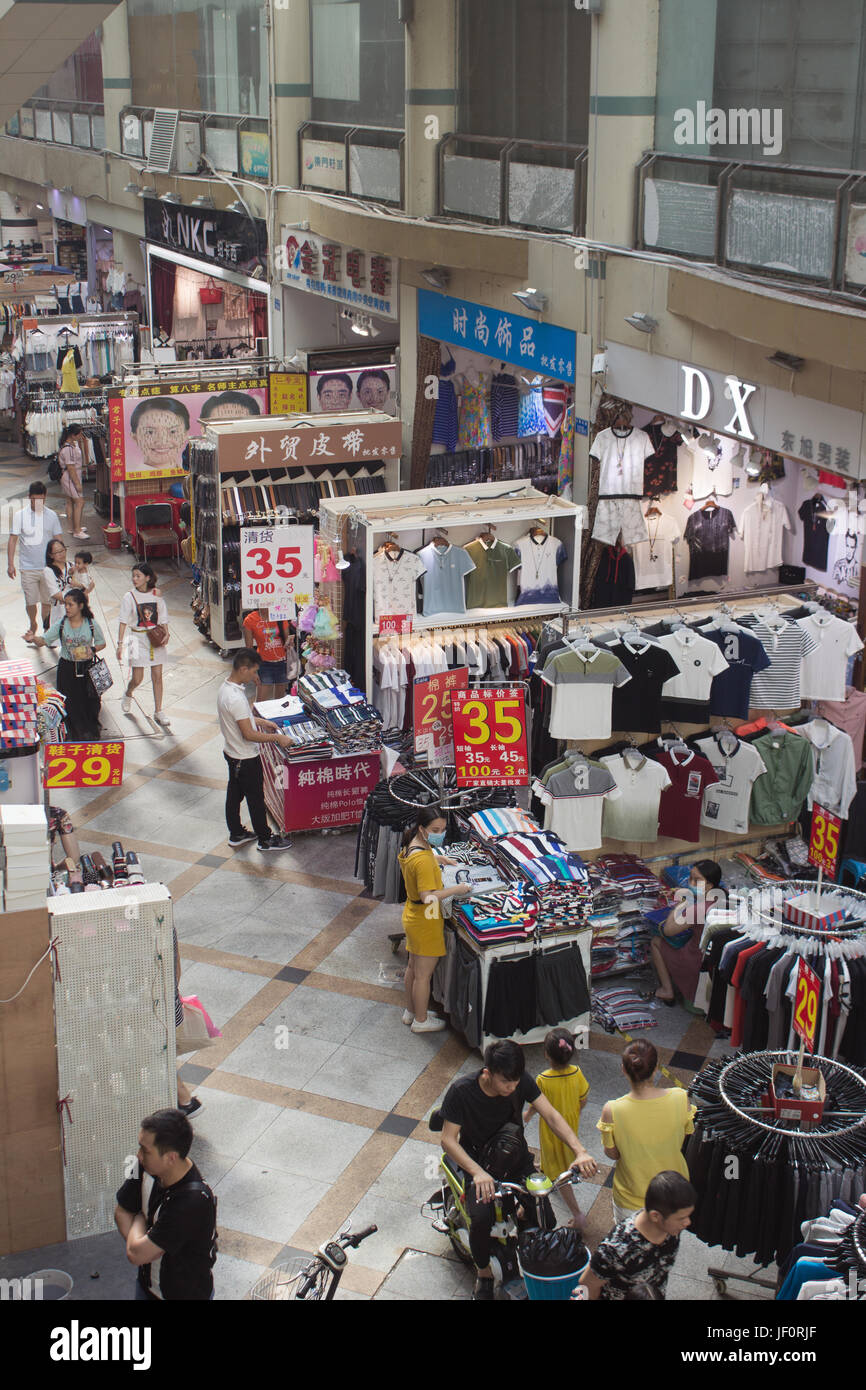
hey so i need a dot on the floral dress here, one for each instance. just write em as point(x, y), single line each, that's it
point(475, 431)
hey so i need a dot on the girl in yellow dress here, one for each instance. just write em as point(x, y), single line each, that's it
point(566, 1087)
point(422, 914)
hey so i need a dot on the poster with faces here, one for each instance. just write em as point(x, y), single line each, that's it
point(355, 388)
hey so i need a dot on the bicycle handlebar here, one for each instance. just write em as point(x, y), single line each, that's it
point(355, 1239)
point(569, 1176)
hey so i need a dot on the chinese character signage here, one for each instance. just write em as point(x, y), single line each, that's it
point(149, 426)
point(358, 279)
point(431, 696)
point(319, 796)
point(83, 765)
point(544, 348)
point(490, 738)
point(278, 444)
point(288, 393)
point(210, 235)
point(323, 164)
point(276, 563)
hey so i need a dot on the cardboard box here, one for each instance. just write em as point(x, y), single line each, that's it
point(818, 912)
point(793, 1110)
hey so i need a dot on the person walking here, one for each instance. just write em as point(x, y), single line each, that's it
point(422, 914)
point(644, 1131)
point(33, 527)
point(242, 733)
point(145, 612)
point(80, 638)
point(566, 1087)
point(167, 1214)
point(71, 456)
point(634, 1261)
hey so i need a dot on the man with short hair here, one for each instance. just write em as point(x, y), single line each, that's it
point(634, 1261)
point(167, 1214)
point(242, 733)
point(482, 1118)
point(34, 526)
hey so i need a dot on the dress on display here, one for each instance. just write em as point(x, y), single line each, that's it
point(565, 473)
point(504, 406)
point(474, 427)
point(530, 417)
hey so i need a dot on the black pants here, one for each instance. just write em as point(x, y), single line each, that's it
point(483, 1214)
point(82, 701)
point(246, 783)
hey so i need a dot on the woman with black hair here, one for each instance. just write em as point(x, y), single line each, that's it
point(144, 611)
point(160, 428)
point(422, 915)
point(58, 575)
point(80, 638)
point(229, 405)
point(676, 951)
point(71, 460)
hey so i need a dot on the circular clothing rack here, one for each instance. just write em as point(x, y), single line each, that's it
point(746, 1076)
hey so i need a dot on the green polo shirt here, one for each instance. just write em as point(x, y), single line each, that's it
point(487, 584)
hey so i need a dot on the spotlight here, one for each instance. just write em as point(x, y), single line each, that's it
point(147, 193)
point(131, 188)
point(437, 276)
point(644, 323)
point(169, 198)
point(361, 326)
point(532, 299)
point(237, 206)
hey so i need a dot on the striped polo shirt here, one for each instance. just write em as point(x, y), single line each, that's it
point(582, 691)
point(778, 687)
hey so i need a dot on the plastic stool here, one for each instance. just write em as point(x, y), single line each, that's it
point(855, 867)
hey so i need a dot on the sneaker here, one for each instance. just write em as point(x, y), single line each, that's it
point(242, 839)
point(484, 1291)
point(275, 842)
point(430, 1025)
point(126, 704)
point(408, 1018)
point(191, 1109)
point(161, 720)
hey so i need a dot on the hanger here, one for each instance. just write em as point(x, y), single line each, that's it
point(538, 529)
point(711, 503)
point(440, 538)
point(488, 536)
point(653, 509)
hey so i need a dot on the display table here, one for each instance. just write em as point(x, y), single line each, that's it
point(327, 794)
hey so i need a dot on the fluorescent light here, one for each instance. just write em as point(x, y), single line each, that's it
point(532, 299)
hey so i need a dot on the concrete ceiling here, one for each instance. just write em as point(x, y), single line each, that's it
point(35, 40)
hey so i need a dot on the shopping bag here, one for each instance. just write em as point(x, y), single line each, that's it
point(195, 1003)
point(192, 1034)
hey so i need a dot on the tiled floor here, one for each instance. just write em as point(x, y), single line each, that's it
point(315, 1098)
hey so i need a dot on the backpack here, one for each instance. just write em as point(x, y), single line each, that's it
point(55, 472)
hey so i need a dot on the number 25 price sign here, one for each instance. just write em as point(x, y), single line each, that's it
point(276, 562)
point(824, 840)
point(806, 1004)
point(490, 738)
point(83, 765)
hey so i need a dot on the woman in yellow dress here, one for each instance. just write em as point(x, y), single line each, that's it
point(422, 914)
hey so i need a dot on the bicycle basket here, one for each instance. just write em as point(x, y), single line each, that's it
point(281, 1284)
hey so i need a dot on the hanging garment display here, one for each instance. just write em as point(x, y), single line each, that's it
point(553, 400)
point(637, 705)
point(474, 419)
point(686, 696)
point(730, 692)
point(487, 581)
point(660, 468)
point(712, 460)
point(446, 567)
point(816, 535)
point(653, 557)
point(848, 714)
point(614, 579)
point(708, 537)
point(445, 416)
point(621, 454)
point(530, 418)
point(541, 554)
point(565, 472)
point(680, 804)
point(395, 572)
point(823, 671)
point(619, 516)
point(835, 780)
point(763, 525)
point(779, 793)
point(736, 765)
point(573, 792)
point(583, 712)
point(504, 406)
point(634, 814)
point(786, 644)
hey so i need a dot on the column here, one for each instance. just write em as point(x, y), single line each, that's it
point(431, 98)
point(292, 87)
point(116, 73)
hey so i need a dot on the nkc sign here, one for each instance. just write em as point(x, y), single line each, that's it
point(697, 400)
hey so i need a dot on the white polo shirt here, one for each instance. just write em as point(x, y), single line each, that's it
point(822, 672)
point(232, 706)
point(634, 814)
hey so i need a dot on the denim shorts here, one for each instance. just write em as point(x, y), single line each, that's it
point(273, 673)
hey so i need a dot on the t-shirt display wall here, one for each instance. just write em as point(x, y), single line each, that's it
point(740, 543)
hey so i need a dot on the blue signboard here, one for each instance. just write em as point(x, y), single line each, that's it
point(544, 348)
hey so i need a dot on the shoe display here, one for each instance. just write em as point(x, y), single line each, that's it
point(106, 878)
point(89, 875)
point(118, 861)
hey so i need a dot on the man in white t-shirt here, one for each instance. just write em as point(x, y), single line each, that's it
point(34, 526)
point(242, 733)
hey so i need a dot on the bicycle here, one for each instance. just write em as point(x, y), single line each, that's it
point(314, 1278)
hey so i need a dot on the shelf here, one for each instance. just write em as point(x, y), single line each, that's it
point(478, 617)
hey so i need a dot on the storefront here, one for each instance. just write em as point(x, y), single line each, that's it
point(205, 269)
point(487, 422)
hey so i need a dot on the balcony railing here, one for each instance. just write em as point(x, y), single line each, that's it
point(233, 144)
point(788, 222)
point(361, 161)
point(513, 183)
point(80, 124)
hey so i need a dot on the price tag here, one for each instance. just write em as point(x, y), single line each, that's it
point(395, 622)
point(276, 563)
point(490, 738)
point(434, 734)
point(282, 610)
point(806, 1004)
point(824, 840)
point(83, 765)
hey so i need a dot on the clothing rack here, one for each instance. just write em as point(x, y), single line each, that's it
point(535, 457)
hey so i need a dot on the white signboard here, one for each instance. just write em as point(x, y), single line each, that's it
point(276, 564)
point(361, 280)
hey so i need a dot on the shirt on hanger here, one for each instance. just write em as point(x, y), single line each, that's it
point(574, 797)
point(730, 692)
point(487, 582)
point(835, 780)
point(711, 468)
point(660, 469)
point(680, 804)
point(637, 705)
point(778, 686)
point(621, 456)
point(686, 696)
point(848, 714)
point(737, 765)
point(394, 582)
point(653, 558)
point(444, 588)
point(763, 525)
point(823, 672)
point(708, 536)
point(539, 562)
point(816, 536)
point(779, 793)
point(583, 713)
point(634, 815)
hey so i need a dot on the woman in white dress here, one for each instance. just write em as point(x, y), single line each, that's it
point(144, 611)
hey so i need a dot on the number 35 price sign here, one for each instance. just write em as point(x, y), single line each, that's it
point(276, 563)
point(824, 840)
point(490, 738)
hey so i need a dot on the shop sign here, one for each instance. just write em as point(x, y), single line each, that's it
point(824, 840)
point(544, 348)
point(434, 733)
point(255, 153)
point(276, 563)
point(808, 992)
point(215, 237)
point(148, 430)
point(323, 164)
point(324, 795)
point(358, 279)
point(490, 738)
point(83, 765)
point(288, 393)
point(308, 444)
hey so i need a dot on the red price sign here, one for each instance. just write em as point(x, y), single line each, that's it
point(83, 765)
point(395, 622)
point(431, 696)
point(276, 562)
point(806, 1004)
point(824, 840)
point(490, 738)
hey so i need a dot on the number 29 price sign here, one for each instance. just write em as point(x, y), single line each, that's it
point(490, 738)
point(806, 1006)
point(276, 563)
point(83, 765)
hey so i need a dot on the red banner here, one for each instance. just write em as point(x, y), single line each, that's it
point(83, 765)
point(490, 738)
point(395, 622)
point(323, 796)
point(806, 1004)
point(431, 712)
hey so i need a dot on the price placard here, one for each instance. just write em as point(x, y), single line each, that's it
point(395, 622)
point(824, 840)
point(490, 738)
point(806, 999)
point(276, 563)
point(83, 765)
point(431, 697)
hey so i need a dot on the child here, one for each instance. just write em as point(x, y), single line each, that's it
point(566, 1087)
point(81, 577)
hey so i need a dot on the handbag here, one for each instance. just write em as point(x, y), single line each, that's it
point(100, 676)
point(157, 635)
point(210, 293)
point(192, 1034)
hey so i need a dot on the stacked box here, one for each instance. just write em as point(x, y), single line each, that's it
point(18, 704)
point(24, 834)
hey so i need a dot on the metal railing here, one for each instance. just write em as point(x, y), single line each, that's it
point(539, 185)
point(233, 144)
point(79, 124)
point(787, 222)
point(359, 161)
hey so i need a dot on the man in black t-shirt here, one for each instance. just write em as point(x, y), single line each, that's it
point(174, 1243)
point(474, 1111)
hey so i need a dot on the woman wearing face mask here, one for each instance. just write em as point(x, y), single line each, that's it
point(676, 951)
point(422, 914)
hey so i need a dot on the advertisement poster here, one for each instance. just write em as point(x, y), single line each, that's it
point(357, 278)
point(355, 388)
point(150, 426)
point(255, 153)
point(288, 393)
point(83, 765)
point(490, 738)
point(320, 795)
point(434, 734)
